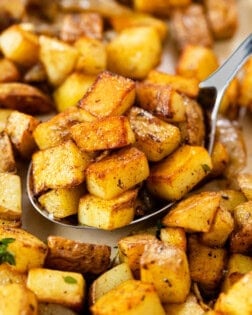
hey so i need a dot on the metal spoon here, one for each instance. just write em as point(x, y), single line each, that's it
point(211, 92)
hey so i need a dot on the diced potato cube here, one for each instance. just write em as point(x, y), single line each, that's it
point(197, 62)
point(7, 161)
point(62, 202)
point(229, 103)
point(19, 45)
point(27, 250)
point(104, 133)
point(206, 264)
point(245, 183)
point(57, 129)
point(55, 286)
point(131, 167)
point(166, 267)
point(130, 249)
point(10, 196)
point(121, 301)
point(134, 52)
point(62, 166)
point(92, 55)
point(162, 101)
point(8, 71)
point(110, 95)
point(238, 298)
point(220, 229)
point(58, 58)
point(178, 173)
point(107, 214)
point(188, 86)
point(174, 236)
point(17, 299)
point(20, 129)
point(72, 90)
point(108, 281)
point(195, 213)
point(154, 137)
point(220, 159)
point(237, 266)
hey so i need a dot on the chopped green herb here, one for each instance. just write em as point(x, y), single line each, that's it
point(70, 280)
point(206, 168)
point(5, 255)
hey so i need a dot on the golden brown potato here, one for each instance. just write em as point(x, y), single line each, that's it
point(131, 167)
point(48, 171)
point(245, 95)
point(70, 255)
point(156, 138)
point(119, 96)
point(107, 214)
point(7, 161)
point(17, 299)
point(25, 250)
point(166, 267)
point(220, 159)
point(134, 52)
point(177, 174)
point(195, 213)
point(104, 133)
point(20, 129)
point(161, 100)
point(121, 301)
point(4, 114)
point(245, 183)
point(9, 275)
point(231, 198)
point(56, 286)
point(8, 71)
point(174, 236)
point(24, 98)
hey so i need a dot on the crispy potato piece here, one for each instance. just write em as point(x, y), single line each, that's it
point(110, 95)
point(222, 16)
point(56, 286)
point(188, 86)
point(197, 61)
point(220, 159)
point(206, 264)
point(72, 90)
point(134, 52)
point(130, 250)
point(48, 170)
point(19, 45)
point(10, 196)
point(189, 307)
point(245, 183)
point(161, 100)
point(7, 161)
point(121, 301)
point(174, 236)
point(156, 138)
point(177, 174)
point(24, 98)
point(11, 223)
point(189, 27)
point(92, 55)
point(131, 167)
point(108, 281)
point(8, 71)
point(241, 238)
point(107, 214)
point(104, 133)
point(238, 299)
point(229, 103)
point(193, 128)
point(76, 25)
point(25, 300)
point(195, 213)
point(220, 229)
point(58, 58)
point(4, 114)
point(9, 275)
point(237, 266)
point(134, 19)
point(57, 129)
point(69, 255)
point(62, 202)
point(20, 129)
point(15, 8)
point(28, 251)
point(166, 267)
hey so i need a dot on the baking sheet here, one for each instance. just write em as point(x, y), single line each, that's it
point(33, 222)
